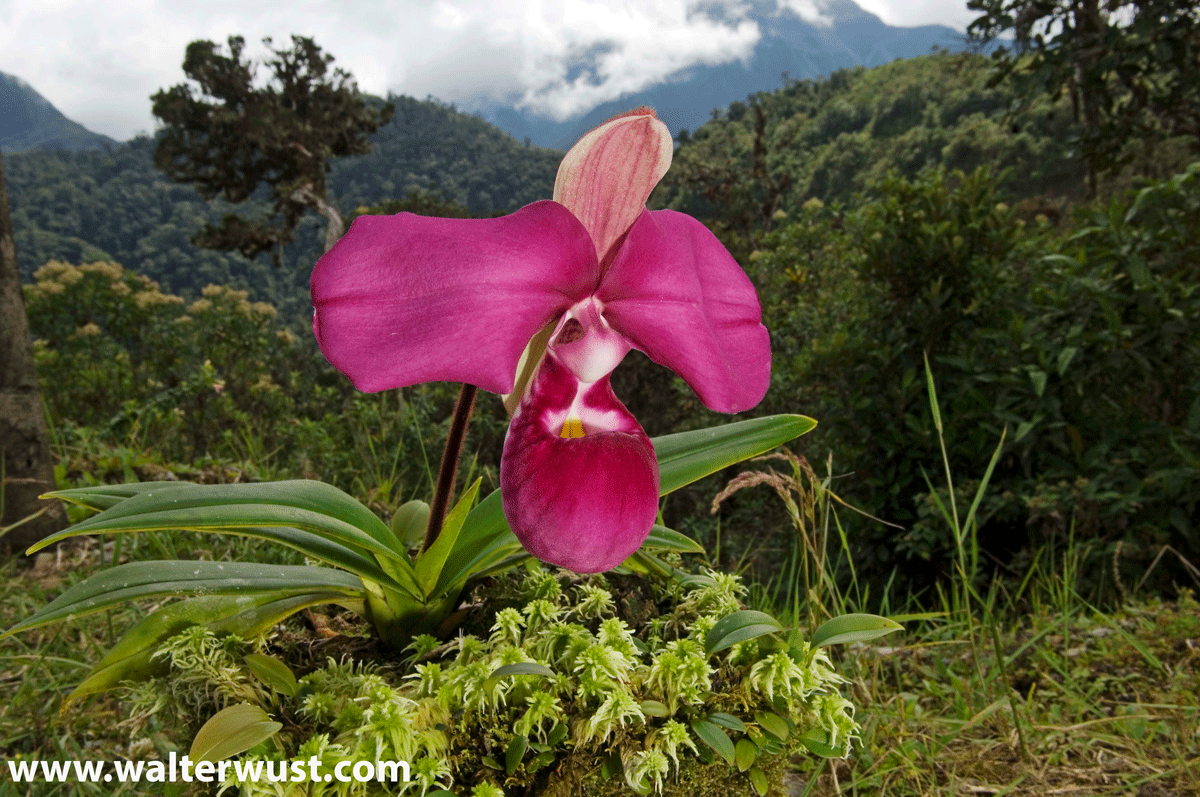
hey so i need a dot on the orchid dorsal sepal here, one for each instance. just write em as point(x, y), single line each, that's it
point(606, 178)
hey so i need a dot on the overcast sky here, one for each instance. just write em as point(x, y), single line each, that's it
point(98, 63)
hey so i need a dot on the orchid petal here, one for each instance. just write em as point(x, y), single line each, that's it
point(678, 295)
point(406, 299)
point(585, 503)
point(607, 176)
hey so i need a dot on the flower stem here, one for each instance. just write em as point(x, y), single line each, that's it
point(449, 468)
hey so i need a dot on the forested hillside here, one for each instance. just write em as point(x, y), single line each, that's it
point(884, 214)
point(829, 139)
point(834, 139)
point(116, 206)
point(30, 122)
point(898, 213)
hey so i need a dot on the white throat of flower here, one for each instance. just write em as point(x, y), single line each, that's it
point(584, 343)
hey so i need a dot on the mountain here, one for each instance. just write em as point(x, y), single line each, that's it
point(789, 45)
point(28, 121)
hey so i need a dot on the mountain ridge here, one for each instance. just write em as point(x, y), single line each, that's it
point(28, 121)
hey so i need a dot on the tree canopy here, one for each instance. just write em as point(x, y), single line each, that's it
point(1131, 68)
point(230, 135)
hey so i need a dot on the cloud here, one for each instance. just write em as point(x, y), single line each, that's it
point(99, 63)
point(808, 10)
point(913, 13)
point(602, 52)
point(559, 59)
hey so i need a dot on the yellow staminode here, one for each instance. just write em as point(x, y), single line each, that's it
point(572, 428)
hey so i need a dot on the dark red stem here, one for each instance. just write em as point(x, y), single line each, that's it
point(449, 468)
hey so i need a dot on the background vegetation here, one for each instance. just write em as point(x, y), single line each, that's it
point(884, 214)
point(889, 218)
point(116, 206)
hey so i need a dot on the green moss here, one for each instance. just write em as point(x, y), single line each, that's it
point(589, 701)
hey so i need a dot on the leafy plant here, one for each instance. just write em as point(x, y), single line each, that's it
point(1077, 341)
point(558, 691)
point(367, 566)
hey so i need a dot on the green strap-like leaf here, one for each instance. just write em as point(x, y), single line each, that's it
point(484, 540)
point(504, 565)
point(218, 509)
point(688, 456)
point(246, 615)
point(429, 563)
point(137, 580)
point(852, 628)
point(301, 503)
point(642, 561)
point(738, 627)
point(102, 496)
point(317, 546)
point(664, 539)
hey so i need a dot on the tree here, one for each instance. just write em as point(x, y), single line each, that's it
point(28, 470)
point(730, 164)
point(1130, 67)
point(232, 135)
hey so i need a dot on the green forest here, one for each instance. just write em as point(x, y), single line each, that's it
point(885, 215)
point(117, 207)
point(984, 292)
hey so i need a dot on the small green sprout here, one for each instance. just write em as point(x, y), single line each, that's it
point(542, 584)
point(681, 673)
point(429, 771)
point(837, 716)
point(508, 628)
point(670, 738)
point(543, 713)
point(644, 767)
point(615, 634)
point(428, 678)
point(540, 612)
point(777, 674)
point(618, 708)
point(422, 645)
point(595, 602)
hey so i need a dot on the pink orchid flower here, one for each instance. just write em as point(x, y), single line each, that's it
point(406, 299)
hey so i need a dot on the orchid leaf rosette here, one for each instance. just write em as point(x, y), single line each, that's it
point(542, 305)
